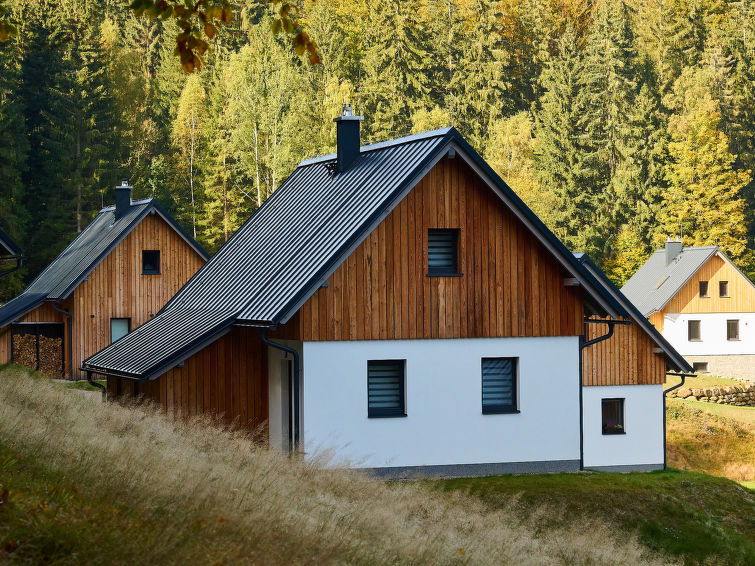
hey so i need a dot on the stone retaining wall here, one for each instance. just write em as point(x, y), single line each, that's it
point(731, 395)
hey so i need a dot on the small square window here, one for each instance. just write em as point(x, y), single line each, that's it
point(498, 385)
point(151, 262)
point(119, 327)
point(386, 388)
point(704, 289)
point(732, 330)
point(613, 416)
point(700, 367)
point(723, 288)
point(693, 330)
point(442, 252)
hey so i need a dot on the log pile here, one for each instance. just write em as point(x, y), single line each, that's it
point(50, 356)
point(25, 350)
point(50, 353)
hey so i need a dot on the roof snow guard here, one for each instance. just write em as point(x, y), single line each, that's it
point(59, 279)
point(299, 236)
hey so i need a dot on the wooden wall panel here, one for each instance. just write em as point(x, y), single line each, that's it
point(627, 358)
point(116, 288)
point(226, 379)
point(511, 285)
point(741, 293)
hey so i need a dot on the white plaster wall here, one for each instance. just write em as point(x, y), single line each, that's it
point(444, 422)
point(643, 422)
point(713, 340)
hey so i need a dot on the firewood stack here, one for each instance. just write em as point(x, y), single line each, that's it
point(50, 353)
point(50, 356)
point(25, 350)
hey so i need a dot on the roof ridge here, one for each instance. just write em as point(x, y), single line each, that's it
point(382, 145)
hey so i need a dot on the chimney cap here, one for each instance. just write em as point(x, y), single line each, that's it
point(347, 113)
point(125, 185)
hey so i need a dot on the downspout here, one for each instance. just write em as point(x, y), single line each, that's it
point(70, 339)
point(295, 355)
point(97, 385)
point(669, 390)
point(582, 345)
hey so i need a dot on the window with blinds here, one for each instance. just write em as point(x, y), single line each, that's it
point(443, 252)
point(499, 385)
point(386, 386)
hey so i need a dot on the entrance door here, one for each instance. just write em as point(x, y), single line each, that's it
point(39, 346)
point(287, 388)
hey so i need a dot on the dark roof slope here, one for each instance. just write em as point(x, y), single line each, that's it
point(8, 246)
point(288, 247)
point(676, 359)
point(58, 280)
point(655, 283)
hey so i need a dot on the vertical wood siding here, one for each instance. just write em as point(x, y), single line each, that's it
point(510, 284)
point(226, 379)
point(688, 300)
point(627, 358)
point(116, 288)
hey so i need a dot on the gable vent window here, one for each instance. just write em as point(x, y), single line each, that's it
point(443, 252)
point(499, 385)
point(693, 330)
point(151, 262)
point(704, 289)
point(386, 388)
point(732, 330)
point(723, 288)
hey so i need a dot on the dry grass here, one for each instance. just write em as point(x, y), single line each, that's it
point(711, 438)
point(138, 488)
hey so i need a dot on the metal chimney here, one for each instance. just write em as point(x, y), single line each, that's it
point(347, 134)
point(673, 249)
point(122, 199)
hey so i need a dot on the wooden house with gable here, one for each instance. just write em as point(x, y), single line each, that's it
point(399, 306)
point(115, 275)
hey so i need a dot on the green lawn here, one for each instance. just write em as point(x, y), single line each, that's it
point(690, 515)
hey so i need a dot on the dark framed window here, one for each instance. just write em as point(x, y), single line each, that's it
point(119, 327)
point(613, 416)
point(386, 388)
point(442, 252)
point(701, 367)
point(151, 262)
point(704, 289)
point(732, 330)
point(693, 330)
point(499, 385)
point(723, 288)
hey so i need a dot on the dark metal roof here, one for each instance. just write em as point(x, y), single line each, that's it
point(288, 247)
point(8, 246)
point(656, 282)
point(58, 280)
point(676, 359)
point(18, 307)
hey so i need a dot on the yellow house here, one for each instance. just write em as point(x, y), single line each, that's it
point(702, 304)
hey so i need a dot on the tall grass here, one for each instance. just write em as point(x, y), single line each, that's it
point(169, 492)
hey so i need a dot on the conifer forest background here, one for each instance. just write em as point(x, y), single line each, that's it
point(619, 122)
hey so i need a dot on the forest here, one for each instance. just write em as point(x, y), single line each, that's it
point(619, 122)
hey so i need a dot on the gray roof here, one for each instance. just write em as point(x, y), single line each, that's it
point(675, 359)
point(58, 280)
point(8, 246)
point(288, 247)
point(656, 282)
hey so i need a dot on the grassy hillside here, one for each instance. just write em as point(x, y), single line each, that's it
point(711, 438)
point(89, 483)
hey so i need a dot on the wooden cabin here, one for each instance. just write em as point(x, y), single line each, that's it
point(11, 256)
point(398, 306)
point(114, 276)
point(702, 304)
